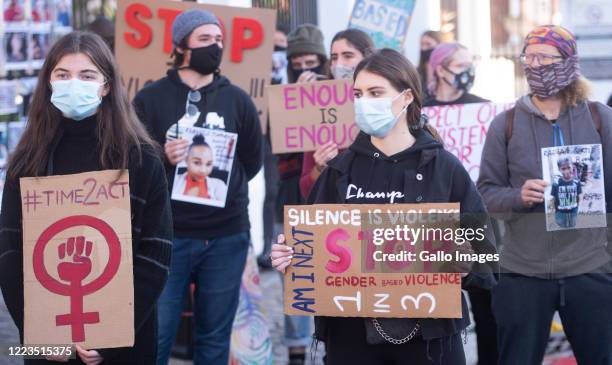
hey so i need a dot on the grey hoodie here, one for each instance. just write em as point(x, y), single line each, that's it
point(528, 248)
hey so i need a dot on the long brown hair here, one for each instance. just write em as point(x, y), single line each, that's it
point(402, 75)
point(119, 131)
point(576, 92)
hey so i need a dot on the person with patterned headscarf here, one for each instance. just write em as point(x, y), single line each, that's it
point(544, 272)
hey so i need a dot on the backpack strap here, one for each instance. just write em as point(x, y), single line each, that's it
point(595, 115)
point(509, 124)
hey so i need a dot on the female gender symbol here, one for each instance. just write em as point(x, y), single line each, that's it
point(77, 319)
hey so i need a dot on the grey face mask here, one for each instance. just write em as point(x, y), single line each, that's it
point(342, 72)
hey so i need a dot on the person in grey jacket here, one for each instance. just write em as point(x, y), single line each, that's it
point(543, 272)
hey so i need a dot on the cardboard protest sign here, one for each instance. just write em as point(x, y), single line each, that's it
point(386, 21)
point(575, 196)
point(463, 128)
point(333, 272)
point(305, 116)
point(77, 260)
point(143, 43)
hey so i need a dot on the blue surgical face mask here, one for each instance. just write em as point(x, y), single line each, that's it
point(374, 116)
point(76, 99)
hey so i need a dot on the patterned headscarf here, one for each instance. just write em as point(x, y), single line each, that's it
point(554, 35)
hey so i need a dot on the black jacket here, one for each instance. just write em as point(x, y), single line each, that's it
point(151, 237)
point(465, 98)
point(424, 172)
point(162, 103)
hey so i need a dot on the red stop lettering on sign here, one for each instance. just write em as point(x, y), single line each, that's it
point(239, 42)
point(131, 18)
point(168, 15)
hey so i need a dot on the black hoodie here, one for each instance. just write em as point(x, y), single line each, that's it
point(425, 172)
point(77, 152)
point(162, 103)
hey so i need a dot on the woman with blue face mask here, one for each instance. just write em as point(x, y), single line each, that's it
point(348, 48)
point(81, 120)
point(396, 152)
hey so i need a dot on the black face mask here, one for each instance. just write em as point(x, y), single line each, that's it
point(297, 72)
point(206, 60)
point(425, 54)
point(463, 80)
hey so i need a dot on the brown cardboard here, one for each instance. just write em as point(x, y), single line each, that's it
point(143, 43)
point(307, 115)
point(321, 261)
point(57, 210)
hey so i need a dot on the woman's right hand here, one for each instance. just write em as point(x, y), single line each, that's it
point(281, 254)
point(307, 76)
point(176, 150)
point(323, 154)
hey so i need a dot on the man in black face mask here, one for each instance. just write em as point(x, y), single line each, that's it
point(210, 243)
point(306, 54)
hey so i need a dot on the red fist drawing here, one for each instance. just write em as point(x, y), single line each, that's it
point(79, 251)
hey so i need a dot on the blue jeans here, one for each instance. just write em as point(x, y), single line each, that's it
point(216, 267)
point(298, 331)
point(566, 218)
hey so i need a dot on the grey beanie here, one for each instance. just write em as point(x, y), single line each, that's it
point(189, 20)
point(306, 38)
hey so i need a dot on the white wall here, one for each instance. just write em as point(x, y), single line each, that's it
point(601, 90)
point(333, 17)
point(426, 16)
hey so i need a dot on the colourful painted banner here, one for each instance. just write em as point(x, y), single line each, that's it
point(386, 21)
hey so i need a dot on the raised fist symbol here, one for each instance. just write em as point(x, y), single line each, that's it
point(78, 251)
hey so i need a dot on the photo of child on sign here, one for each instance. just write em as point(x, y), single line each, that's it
point(575, 196)
point(203, 176)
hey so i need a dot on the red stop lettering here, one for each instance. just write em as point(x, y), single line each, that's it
point(239, 42)
point(168, 15)
point(131, 18)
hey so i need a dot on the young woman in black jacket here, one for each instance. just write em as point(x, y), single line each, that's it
point(81, 120)
point(396, 151)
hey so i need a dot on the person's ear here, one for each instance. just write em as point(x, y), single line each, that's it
point(408, 97)
point(439, 71)
point(105, 89)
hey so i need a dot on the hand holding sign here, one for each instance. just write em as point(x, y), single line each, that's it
point(532, 192)
point(176, 150)
point(281, 254)
point(89, 357)
point(325, 153)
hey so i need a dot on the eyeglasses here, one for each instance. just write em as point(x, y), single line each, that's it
point(194, 96)
point(543, 59)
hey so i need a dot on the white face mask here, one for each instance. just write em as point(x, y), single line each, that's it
point(374, 116)
point(342, 72)
point(76, 99)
